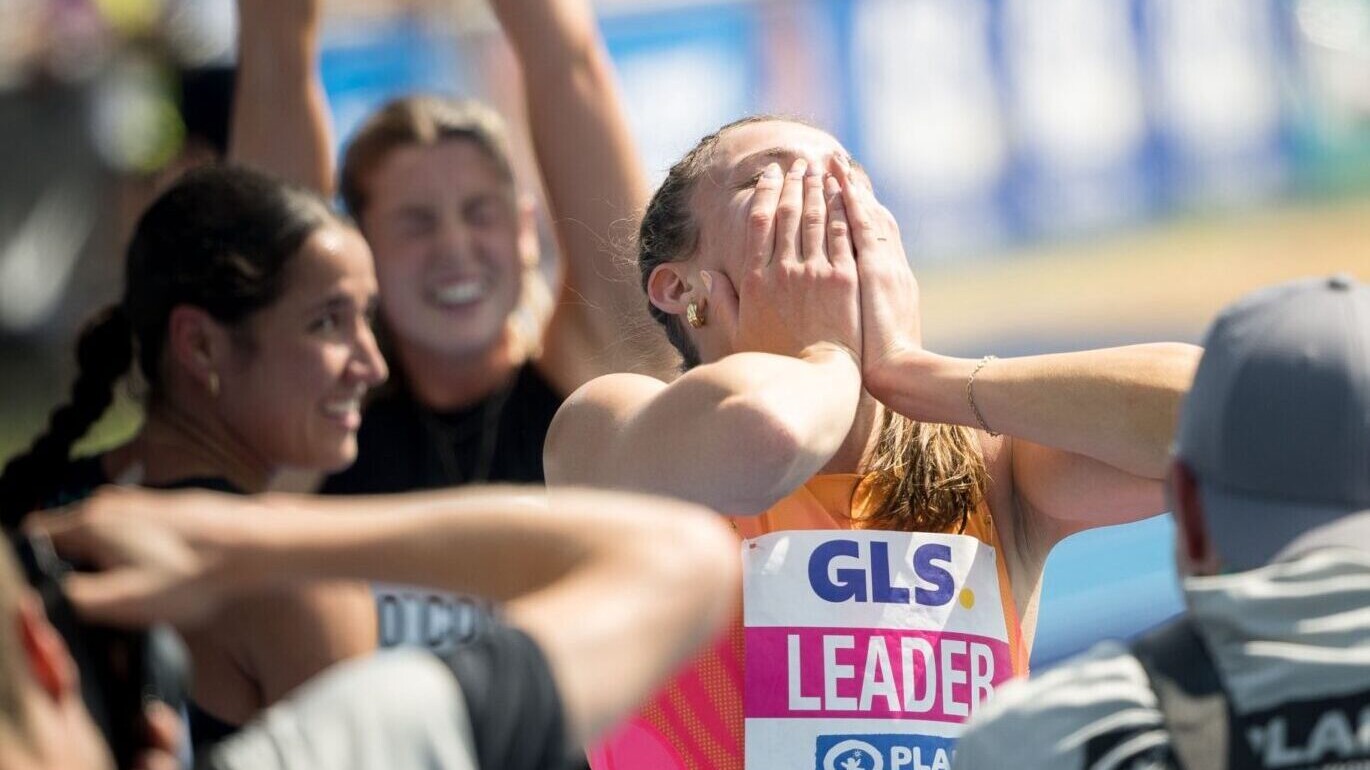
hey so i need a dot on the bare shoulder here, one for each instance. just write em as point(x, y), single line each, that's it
point(286, 636)
point(591, 420)
point(622, 393)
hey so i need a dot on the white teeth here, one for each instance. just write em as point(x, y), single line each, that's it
point(459, 293)
point(343, 408)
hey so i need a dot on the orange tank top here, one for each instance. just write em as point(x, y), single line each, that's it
point(696, 721)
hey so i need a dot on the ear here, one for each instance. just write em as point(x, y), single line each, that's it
point(530, 250)
point(670, 287)
point(49, 661)
point(1195, 554)
point(196, 343)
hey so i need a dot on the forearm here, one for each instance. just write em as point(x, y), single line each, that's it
point(1116, 405)
point(498, 542)
point(741, 433)
point(579, 125)
point(280, 121)
point(591, 170)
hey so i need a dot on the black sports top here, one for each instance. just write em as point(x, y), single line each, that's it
point(403, 446)
point(81, 478)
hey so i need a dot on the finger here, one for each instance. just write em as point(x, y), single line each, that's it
point(840, 251)
point(815, 218)
point(126, 598)
point(761, 218)
point(866, 232)
point(888, 222)
point(164, 731)
point(70, 534)
point(156, 759)
point(789, 213)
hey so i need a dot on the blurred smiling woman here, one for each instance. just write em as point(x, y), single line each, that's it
point(246, 306)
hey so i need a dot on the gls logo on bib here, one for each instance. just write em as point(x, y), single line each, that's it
point(935, 585)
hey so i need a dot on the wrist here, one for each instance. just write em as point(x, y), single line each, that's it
point(831, 353)
point(903, 374)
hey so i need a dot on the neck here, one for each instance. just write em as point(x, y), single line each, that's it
point(175, 445)
point(443, 382)
point(857, 448)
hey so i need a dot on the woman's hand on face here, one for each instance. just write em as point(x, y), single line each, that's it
point(798, 293)
point(891, 317)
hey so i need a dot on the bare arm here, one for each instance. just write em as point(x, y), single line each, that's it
point(1090, 431)
point(595, 187)
point(740, 433)
point(736, 435)
point(583, 574)
point(280, 120)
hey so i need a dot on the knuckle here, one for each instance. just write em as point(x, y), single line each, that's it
point(759, 219)
point(814, 217)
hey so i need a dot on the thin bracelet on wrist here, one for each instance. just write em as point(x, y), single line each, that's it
point(970, 395)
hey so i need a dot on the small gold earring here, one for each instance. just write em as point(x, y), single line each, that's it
point(213, 384)
point(693, 316)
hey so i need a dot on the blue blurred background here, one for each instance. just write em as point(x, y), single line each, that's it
point(1068, 173)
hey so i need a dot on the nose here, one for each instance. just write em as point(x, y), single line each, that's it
point(368, 365)
point(454, 239)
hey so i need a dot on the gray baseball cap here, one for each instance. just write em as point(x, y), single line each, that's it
point(1277, 424)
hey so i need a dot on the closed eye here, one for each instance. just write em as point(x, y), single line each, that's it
point(749, 182)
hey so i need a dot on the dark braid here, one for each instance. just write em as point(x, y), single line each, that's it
point(104, 354)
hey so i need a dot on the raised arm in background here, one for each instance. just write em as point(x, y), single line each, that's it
point(280, 121)
point(595, 188)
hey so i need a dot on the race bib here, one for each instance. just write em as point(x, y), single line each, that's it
point(867, 650)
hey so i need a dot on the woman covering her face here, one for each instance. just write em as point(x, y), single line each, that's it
point(895, 506)
point(246, 308)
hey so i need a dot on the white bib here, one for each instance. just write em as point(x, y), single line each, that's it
point(867, 650)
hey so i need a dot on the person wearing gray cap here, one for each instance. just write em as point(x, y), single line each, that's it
point(1270, 667)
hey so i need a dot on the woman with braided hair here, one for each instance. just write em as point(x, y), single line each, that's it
point(246, 305)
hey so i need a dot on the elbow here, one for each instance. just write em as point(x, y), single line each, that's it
point(1174, 364)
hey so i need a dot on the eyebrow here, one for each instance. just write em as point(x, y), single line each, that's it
point(338, 301)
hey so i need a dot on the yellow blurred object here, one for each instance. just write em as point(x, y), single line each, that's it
point(131, 17)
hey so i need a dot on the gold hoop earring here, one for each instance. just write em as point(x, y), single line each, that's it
point(694, 316)
point(213, 384)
